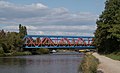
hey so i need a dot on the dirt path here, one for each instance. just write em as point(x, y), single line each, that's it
point(108, 65)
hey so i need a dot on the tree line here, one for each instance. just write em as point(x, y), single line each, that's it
point(107, 34)
point(12, 41)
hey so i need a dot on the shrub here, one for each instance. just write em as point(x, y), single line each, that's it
point(89, 64)
point(42, 51)
point(21, 53)
point(1, 50)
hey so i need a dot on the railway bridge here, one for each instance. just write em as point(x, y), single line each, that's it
point(58, 42)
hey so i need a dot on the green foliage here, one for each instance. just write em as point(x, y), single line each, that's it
point(89, 64)
point(107, 35)
point(12, 41)
point(114, 55)
point(42, 51)
point(115, 32)
point(21, 53)
point(22, 31)
point(1, 51)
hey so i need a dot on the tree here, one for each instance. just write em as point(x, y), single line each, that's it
point(107, 35)
point(22, 31)
point(12, 41)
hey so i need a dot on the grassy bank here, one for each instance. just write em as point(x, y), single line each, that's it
point(115, 55)
point(22, 53)
point(16, 54)
point(89, 64)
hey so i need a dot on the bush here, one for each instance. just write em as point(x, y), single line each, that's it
point(89, 64)
point(21, 53)
point(42, 51)
point(1, 50)
point(7, 54)
point(1, 55)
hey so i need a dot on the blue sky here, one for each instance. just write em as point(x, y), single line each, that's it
point(51, 17)
point(94, 6)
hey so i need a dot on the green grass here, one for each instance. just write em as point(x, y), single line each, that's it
point(89, 64)
point(115, 56)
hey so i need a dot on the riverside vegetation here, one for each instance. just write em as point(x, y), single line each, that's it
point(107, 35)
point(11, 43)
point(114, 55)
point(89, 64)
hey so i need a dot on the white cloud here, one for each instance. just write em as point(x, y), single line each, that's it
point(57, 11)
point(4, 4)
point(37, 6)
point(16, 27)
point(57, 30)
point(11, 27)
point(67, 28)
point(60, 33)
point(31, 27)
point(40, 19)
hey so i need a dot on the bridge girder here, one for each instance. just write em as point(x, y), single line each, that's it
point(43, 41)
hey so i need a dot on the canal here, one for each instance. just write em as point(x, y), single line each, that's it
point(52, 63)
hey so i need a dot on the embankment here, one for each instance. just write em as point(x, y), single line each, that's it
point(89, 64)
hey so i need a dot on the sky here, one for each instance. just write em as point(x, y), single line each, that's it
point(51, 17)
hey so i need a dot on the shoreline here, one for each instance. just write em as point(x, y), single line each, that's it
point(89, 63)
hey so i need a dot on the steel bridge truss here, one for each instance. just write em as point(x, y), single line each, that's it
point(43, 41)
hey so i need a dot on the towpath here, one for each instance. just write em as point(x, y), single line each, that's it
point(107, 65)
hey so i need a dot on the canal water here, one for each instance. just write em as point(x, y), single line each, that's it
point(52, 63)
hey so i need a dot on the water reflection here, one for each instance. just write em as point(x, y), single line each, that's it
point(41, 64)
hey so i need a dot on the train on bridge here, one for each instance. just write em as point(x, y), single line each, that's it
point(70, 42)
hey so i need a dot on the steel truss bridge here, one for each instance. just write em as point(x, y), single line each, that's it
point(71, 42)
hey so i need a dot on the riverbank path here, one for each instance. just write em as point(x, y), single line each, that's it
point(107, 65)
